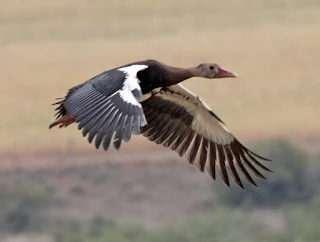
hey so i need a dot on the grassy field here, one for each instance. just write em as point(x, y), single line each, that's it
point(49, 46)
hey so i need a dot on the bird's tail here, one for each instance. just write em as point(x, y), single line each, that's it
point(64, 121)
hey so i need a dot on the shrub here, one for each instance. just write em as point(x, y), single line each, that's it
point(21, 207)
point(290, 182)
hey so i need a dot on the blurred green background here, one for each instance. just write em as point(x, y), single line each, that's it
point(55, 187)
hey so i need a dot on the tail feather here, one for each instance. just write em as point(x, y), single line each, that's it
point(62, 117)
point(64, 121)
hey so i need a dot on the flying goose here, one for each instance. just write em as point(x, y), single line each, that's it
point(145, 97)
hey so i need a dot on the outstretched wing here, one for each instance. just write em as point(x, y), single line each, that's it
point(180, 120)
point(106, 107)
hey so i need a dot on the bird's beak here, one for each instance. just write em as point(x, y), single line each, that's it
point(224, 73)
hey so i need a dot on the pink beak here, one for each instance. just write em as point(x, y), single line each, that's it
point(224, 73)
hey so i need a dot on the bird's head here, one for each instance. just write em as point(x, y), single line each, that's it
point(212, 70)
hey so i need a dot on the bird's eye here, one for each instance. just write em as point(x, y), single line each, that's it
point(211, 67)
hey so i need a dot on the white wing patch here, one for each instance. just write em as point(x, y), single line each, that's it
point(128, 97)
point(131, 82)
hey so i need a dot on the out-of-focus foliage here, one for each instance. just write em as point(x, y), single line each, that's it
point(213, 227)
point(293, 180)
point(225, 224)
point(285, 208)
point(293, 187)
point(304, 221)
point(21, 206)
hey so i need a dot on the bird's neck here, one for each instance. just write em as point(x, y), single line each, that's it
point(178, 75)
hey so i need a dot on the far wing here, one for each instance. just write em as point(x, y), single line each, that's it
point(180, 120)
